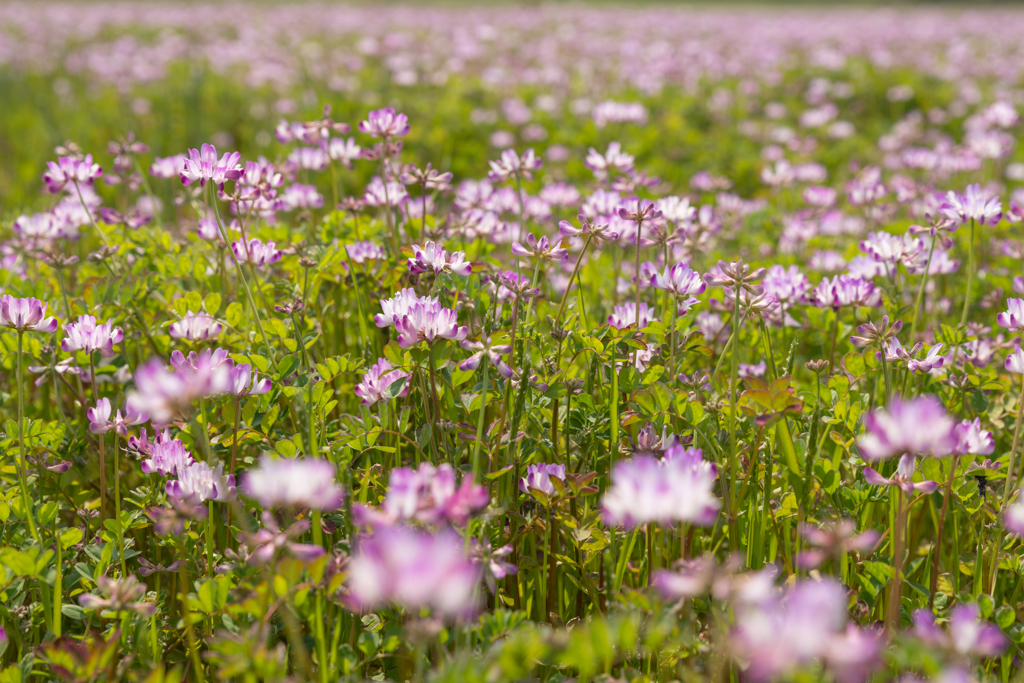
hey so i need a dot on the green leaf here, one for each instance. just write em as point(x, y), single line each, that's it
point(269, 418)
point(395, 389)
point(1005, 617)
point(235, 315)
point(288, 365)
point(212, 303)
point(70, 537)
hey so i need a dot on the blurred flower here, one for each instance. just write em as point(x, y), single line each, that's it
point(493, 354)
point(920, 426)
point(195, 326)
point(869, 333)
point(510, 165)
point(832, 540)
point(624, 315)
point(398, 306)
point(166, 456)
point(1013, 317)
point(198, 482)
point(118, 595)
point(972, 439)
point(599, 233)
point(677, 488)
point(385, 123)
point(973, 205)
point(968, 634)
point(241, 376)
point(415, 570)
point(298, 483)
point(256, 251)
point(361, 252)
point(491, 561)
point(100, 422)
point(70, 170)
point(846, 290)
point(428, 494)
point(1015, 361)
point(266, 542)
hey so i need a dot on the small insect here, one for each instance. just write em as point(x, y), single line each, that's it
point(982, 484)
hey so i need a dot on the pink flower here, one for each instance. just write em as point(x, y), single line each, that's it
point(624, 315)
point(430, 495)
point(539, 477)
point(25, 314)
point(483, 349)
point(395, 308)
point(917, 427)
point(1015, 361)
point(198, 483)
point(511, 165)
point(433, 257)
point(541, 249)
point(270, 539)
point(166, 456)
point(287, 483)
point(1013, 317)
point(385, 123)
point(973, 205)
point(195, 326)
point(203, 165)
point(165, 394)
point(678, 488)
point(239, 379)
point(85, 335)
point(256, 251)
point(100, 422)
point(972, 439)
point(614, 159)
point(70, 170)
point(426, 322)
point(682, 283)
point(968, 634)
point(377, 382)
point(414, 570)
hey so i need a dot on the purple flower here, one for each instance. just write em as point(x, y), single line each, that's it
point(166, 456)
point(678, 488)
point(511, 165)
point(492, 562)
point(683, 283)
point(302, 482)
point(195, 326)
point(25, 314)
point(380, 194)
point(493, 353)
point(385, 123)
point(932, 360)
point(377, 381)
point(892, 250)
point(256, 251)
point(433, 257)
point(70, 170)
point(541, 249)
point(414, 570)
point(920, 426)
point(344, 150)
point(624, 315)
point(299, 196)
point(972, 439)
point(100, 422)
point(832, 539)
point(85, 335)
point(1015, 361)
point(1013, 317)
point(198, 483)
point(539, 477)
point(270, 539)
point(203, 165)
point(428, 322)
point(968, 634)
point(973, 205)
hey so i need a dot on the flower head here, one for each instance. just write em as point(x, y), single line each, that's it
point(433, 257)
point(541, 249)
point(511, 165)
point(85, 335)
point(678, 488)
point(198, 482)
point(973, 205)
point(25, 314)
point(682, 283)
point(920, 426)
point(1013, 316)
point(270, 540)
point(539, 477)
point(203, 165)
point(428, 322)
point(300, 483)
point(194, 326)
point(70, 170)
point(599, 233)
point(483, 349)
point(385, 123)
point(624, 315)
point(968, 634)
point(118, 595)
point(377, 382)
point(414, 569)
point(256, 252)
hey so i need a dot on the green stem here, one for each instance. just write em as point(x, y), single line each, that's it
point(22, 460)
point(970, 278)
point(920, 293)
point(480, 421)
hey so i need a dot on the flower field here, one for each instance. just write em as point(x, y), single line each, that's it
point(543, 342)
